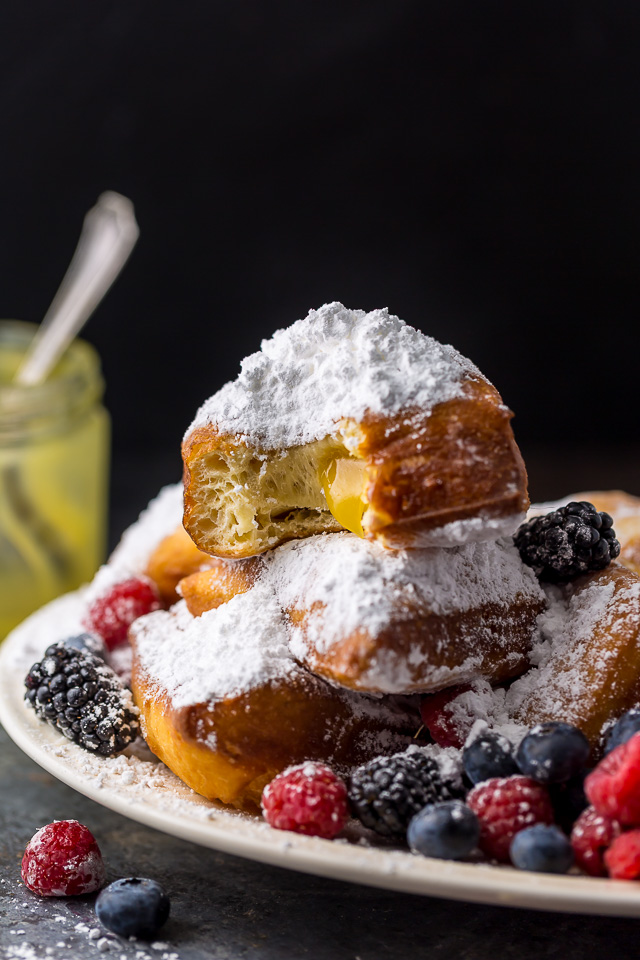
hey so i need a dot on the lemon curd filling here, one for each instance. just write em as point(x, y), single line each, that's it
point(343, 483)
point(54, 441)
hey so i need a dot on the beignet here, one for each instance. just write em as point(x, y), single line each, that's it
point(226, 707)
point(352, 420)
point(382, 621)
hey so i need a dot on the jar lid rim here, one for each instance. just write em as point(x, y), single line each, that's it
point(77, 382)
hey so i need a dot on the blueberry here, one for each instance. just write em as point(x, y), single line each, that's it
point(448, 830)
point(88, 643)
point(543, 849)
point(490, 755)
point(553, 752)
point(622, 730)
point(569, 800)
point(133, 907)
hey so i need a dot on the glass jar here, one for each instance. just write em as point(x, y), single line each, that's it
point(54, 461)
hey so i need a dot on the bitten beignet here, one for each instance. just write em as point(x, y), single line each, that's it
point(355, 421)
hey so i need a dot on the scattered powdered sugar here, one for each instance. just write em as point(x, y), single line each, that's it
point(360, 585)
point(334, 364)
point(222, 653)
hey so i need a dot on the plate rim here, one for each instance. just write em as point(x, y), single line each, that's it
point(394, 870)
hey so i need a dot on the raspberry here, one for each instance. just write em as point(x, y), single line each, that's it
point(447, 728)
point(591, 835)
point(111, 615)
point(63, 860)
point(504, 806)
point(308, 798)
point(622, 859)
point(613, 788)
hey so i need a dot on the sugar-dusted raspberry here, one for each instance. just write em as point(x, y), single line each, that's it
point(504, 806)
point(63, 860)
point(622, 859)
point(613, 788)
point(448, 727)
point(591, 835)
point(111, 615)
point(308, 798)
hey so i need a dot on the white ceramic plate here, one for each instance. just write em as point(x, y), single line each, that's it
point(138, 786)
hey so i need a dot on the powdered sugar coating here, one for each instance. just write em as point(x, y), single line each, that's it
point(362, 585)
point(557, 681)
point(241, 645)
point(344, 584)
point(336, 363)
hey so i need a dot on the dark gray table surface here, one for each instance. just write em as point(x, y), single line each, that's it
point(225, 907)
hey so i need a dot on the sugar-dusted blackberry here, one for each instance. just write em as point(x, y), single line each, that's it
point(82, 697)
point(567, 542)
point(386, 793)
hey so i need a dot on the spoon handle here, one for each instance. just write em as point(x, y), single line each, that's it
point(109, 234)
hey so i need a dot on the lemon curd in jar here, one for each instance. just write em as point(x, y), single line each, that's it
point(54, 443)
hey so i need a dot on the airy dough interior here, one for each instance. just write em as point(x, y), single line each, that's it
point(254, 501)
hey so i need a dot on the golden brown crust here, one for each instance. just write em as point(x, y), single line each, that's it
point(429, 652)
point(460, 462)
point(594, 678)
point(424, 470)
point(174, 558)
point(229, 749)
point(208, 589)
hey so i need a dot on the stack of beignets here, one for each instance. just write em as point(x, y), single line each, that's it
point(349, 500)
point(295, 638)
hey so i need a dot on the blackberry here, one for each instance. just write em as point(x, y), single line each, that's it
point(568, 542)
point(82, 697)
point(386, 793)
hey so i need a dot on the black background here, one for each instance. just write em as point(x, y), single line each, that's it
point(473, 166)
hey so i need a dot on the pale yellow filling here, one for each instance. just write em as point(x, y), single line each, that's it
point(343, 483)
point(248, 502)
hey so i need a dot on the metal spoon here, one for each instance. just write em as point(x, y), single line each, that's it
point(109, 233)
